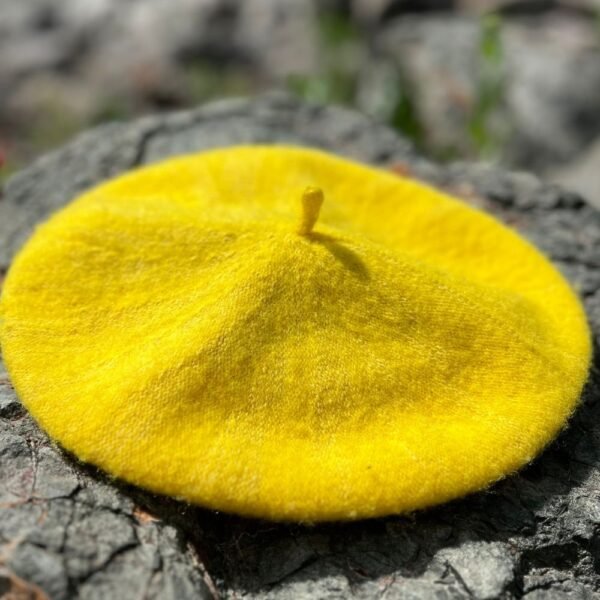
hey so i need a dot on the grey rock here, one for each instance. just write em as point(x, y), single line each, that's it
point(16, 468)
point(9, 405)
point(85, 57)
point(52, 480)
point(553, 89)
point(94, 537)
point(543, 112)
point(77, 533)
point(280, 36)
point(485, 569)
point(42, 567)
point(438, 57)
point(581, 174)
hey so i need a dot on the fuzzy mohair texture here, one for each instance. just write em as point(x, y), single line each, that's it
point(184, 329)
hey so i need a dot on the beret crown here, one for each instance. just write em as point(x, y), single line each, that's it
point(211, 329)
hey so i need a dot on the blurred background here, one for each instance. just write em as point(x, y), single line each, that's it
point(517, 83)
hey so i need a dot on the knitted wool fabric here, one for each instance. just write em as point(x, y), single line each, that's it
point(199, 329)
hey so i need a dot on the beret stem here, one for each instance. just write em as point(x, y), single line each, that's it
point(312, 200)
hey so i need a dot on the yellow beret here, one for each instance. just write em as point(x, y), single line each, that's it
point(283, 333)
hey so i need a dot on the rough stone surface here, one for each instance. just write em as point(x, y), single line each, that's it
point(541, 113)
point(67, 531)
point(73, 52)
point(524, 91)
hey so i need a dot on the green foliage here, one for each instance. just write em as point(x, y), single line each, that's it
point(111, 109)
point(336, 83)
point(483, 129)
point(404, 115)
point(205, 81)
point(6, 171)
point(405, 119)
point(333, 87)
point(596, 17)
point(336, 31)
point(53, 127)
